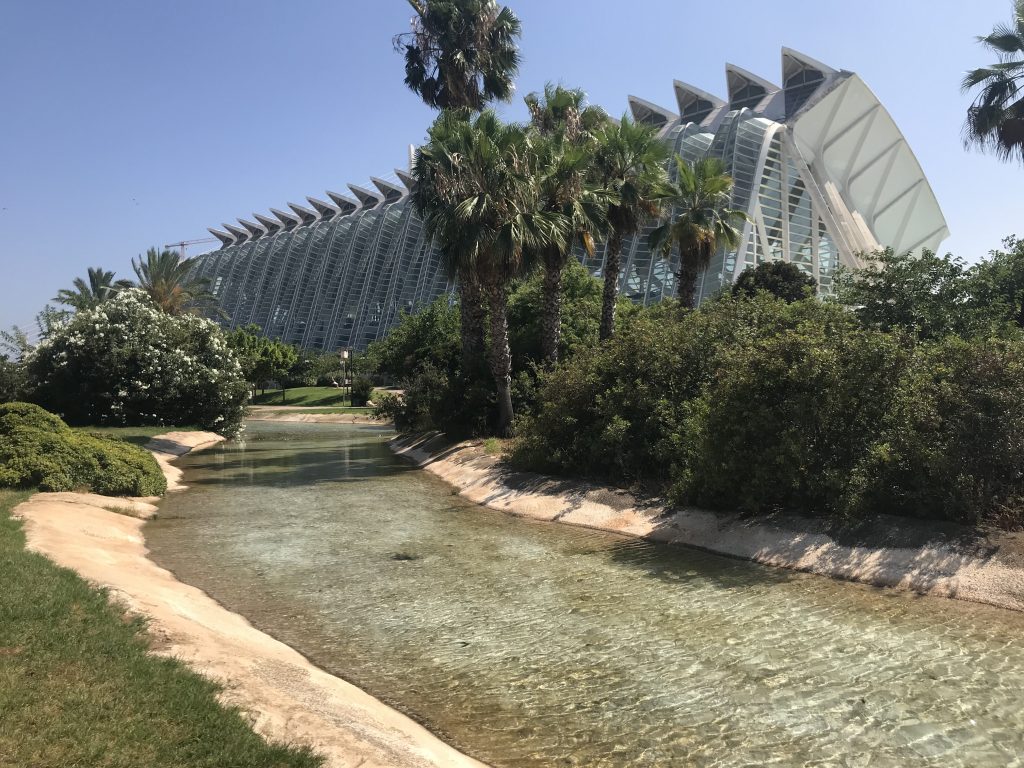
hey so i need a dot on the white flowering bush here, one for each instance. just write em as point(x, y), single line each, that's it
point(127, 363)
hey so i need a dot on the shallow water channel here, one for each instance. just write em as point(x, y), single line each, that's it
point(530, 644)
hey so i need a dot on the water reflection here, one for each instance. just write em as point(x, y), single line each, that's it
point(528, 644)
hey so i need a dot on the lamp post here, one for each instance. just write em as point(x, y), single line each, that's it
point(345, 354)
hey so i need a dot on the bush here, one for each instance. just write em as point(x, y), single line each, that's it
point(362, 389)
point(388, 405)
point(781, 279)
point(37, 449)
point(12, 380)
point(127, 363)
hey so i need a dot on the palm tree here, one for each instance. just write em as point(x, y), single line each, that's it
point(630, 164)
point(479, 197)
point(567, 127)
point(167, 280)
point(995, 119)
point(461, 54)
point(702, 221)
point(93, 291)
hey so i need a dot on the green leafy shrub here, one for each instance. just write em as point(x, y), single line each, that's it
point(127, 363)
point(38, 449)
point(362, 389)
point(953, 444)
point(12, 380)
point(388, 405)
point(782, 279)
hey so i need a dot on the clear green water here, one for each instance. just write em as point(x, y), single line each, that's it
point(527, 644)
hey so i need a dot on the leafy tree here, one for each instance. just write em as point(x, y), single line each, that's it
point(431, 334)
point(98, 286)
point(167, 280)
point(125, 362)
point(461, 54)
point(12, 379)
point(996, 285)
point(995, 119)
point(482, 207)
point(629, 164)
point(926, 295)
point(262, 359)
point(702, 221)
point(781, 279)
point(567, 128)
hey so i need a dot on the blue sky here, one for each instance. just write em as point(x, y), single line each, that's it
point(129, 124)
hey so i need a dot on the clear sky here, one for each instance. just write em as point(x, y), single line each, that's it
point(129, 124)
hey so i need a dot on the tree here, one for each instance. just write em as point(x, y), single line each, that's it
point(782, 279)
point(996, 284)
point(167, 280)
point(702, 222)
point(482, 207)
point(630, 165)
point(262, 359)
point(926, 295)
point(461, 54)
point(995, 119)
point(95, 289)
point(567, 128)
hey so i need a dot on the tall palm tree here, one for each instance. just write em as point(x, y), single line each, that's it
point(461, 54)
point(164, 275)
point(93, 291)
point(995, 119)
point(567, 129)
point(702, 221)
point(630, 164)
point(479, 197)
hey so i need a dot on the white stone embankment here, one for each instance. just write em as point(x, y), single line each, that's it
point(979, 568)
point(286, 697)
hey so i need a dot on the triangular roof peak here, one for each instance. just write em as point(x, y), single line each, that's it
point(392, 192)
point(225, 238)
point(240, 234)
point(326, 210)
point(273, 225)
point(650, 113)
point(695, 105)
point(406, 178)
point(794, 61)
point(289, 220)
point(345, 203)
point(366, 198)
point(304, 213)
point(256, 230)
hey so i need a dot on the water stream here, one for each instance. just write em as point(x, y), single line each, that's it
point(529, 644)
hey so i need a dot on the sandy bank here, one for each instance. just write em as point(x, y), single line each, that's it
point(287, 698)
point(288, 413)
point(943, 560)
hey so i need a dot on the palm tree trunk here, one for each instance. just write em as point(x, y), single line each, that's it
point(551, 313)
point(472, 316)
point(501, 357)
point(686, 281)
point(611, 285)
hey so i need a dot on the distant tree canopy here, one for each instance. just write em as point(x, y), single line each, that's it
point(781, 279)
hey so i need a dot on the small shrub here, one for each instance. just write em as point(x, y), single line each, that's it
point(362, 389)
point(388, 405)
point(782, 279)
point(38, 449)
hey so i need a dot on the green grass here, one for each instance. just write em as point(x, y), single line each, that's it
point(136, 435)
point(355, 411)
point(77, 687)
point(303, 396)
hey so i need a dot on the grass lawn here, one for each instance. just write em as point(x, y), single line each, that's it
point(303, 396)
point(136, 435)
point(78, 689)
point(354, 411)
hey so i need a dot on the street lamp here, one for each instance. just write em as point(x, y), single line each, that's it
point(345, 354)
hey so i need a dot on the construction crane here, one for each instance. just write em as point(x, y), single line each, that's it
point(182, 244)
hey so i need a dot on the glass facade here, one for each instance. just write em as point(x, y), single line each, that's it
point(821, 176)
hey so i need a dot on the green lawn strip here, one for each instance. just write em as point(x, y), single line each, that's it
point(77, 687)
point(303, 396)
point(353, 411)
point(137, 435)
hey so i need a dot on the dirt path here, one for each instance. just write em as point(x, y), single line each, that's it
point(288, 699)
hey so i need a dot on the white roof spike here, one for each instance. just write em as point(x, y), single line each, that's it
point(256, 230)
point(691, 109)
point(737, 77)
point(288, 219)
point(304, 213)
point(794, 61)
point(406, 178)
point(367, 198)
point(225, 238)
point(345, 203)
point(326, 210)
point(240, 234)
point(272, 225)
point(391, 192)
point(651, 114)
